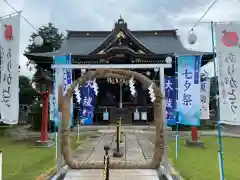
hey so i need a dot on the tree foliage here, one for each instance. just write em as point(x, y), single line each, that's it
point(27, 93)
point(52, 40)
point(24, 82)
point(51, 36)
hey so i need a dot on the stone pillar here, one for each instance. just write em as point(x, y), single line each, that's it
point(194, 134)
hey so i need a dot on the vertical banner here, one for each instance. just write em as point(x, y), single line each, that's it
point(88, 103)
point(204, 97)
point(67, 79)
point(9, 45)
point(189, 90)
point(51, 107)
point(228, 55)
point(170, 95)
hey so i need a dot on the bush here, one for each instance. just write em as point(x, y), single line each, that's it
point(36, 123)
point(37, 117)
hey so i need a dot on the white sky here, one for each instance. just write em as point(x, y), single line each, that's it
point(139, 14)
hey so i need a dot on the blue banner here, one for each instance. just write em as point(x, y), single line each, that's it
point(170, 97)
point(189, 90)
point(67, 81)
point(88, 101)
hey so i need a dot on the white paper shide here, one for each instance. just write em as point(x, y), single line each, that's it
point(228, 56)
point(9, 42)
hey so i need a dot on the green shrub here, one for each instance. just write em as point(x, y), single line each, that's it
point(36, 117)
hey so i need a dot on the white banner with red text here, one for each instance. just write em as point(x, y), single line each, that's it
point(9, 41)
point(228, 64)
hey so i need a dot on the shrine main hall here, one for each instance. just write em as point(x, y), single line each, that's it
point(120, 46)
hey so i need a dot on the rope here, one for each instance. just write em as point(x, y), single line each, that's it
point(204, 14)
point(25, 19)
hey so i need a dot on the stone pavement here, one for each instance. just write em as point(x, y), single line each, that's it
point(114, 174)
point(136, 147)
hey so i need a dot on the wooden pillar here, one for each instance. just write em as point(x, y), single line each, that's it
point(44, 128)
point(45, 101)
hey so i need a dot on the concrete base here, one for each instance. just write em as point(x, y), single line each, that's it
point(162, 175)
point(117, 154)
point(48, 143)
point(191, 143)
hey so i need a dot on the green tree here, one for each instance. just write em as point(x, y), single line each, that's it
point(24, 82)
point(27, 93)
point(52, 40)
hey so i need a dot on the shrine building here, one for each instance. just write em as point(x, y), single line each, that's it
point(119, 46)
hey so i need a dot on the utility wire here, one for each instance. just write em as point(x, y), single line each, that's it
point(25, 19)
point(205, 13)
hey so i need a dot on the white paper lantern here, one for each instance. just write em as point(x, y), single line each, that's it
point(38, 41)
point(83, 71)
point(192, 38)
point(148, 73)
point(168, 60)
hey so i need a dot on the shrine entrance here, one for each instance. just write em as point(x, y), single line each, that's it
point(114, 98)
point(106, 71)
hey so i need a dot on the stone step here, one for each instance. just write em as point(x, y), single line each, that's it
point(115, 174)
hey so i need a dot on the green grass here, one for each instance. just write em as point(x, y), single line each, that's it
point(23, 161)
point(202, 164)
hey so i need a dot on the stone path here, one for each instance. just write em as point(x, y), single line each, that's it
point(114, 174)
point(136, 148)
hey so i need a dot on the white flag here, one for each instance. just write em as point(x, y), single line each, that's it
point(9, 41)
point(51, 107)
point(228, 56)
point(204, 97)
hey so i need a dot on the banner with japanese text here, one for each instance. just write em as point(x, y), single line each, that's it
point(51, 107)
point(88, 101)
point(9, 48)
point(67, 81)
point(170, 95)
point(204, 97)
point(228, 55)
point(189, 90)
